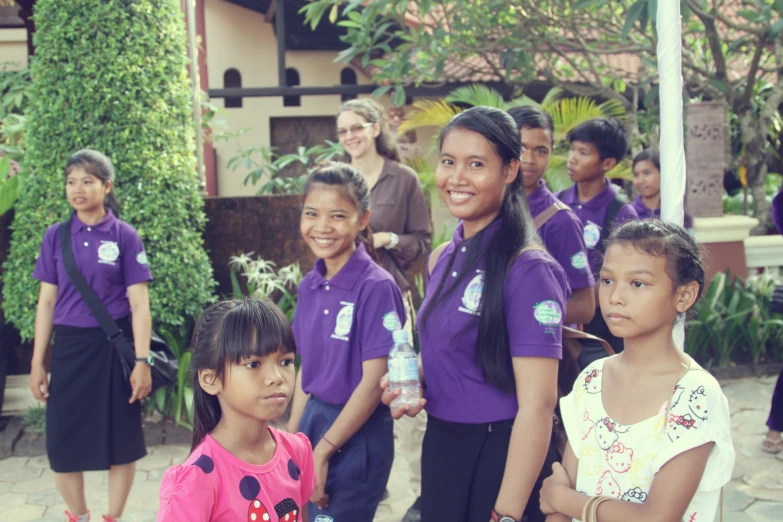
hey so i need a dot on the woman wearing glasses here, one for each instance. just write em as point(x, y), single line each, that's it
point(401, 231)
point(400, 220)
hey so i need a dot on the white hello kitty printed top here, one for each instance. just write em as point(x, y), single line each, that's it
point(621, 461)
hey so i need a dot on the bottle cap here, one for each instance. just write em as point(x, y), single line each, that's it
point(400, 336)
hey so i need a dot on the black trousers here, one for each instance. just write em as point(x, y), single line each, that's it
point(462, 469)
point(600, 329)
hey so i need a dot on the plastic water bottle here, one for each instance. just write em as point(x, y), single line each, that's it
point(404, 371)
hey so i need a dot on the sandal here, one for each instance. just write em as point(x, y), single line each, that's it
point(772, 446)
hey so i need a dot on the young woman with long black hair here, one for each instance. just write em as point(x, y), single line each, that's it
point(490, 332)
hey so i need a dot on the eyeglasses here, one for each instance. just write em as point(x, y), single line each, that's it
point(353, 129)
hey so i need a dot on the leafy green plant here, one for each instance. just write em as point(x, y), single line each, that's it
point(34, 420)
point(176, 401)
point(263, 280)
point(733, 323)
point(9, 186)
point(263, 163)
point(103, 78)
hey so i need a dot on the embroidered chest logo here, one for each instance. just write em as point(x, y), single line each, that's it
point(344, 322)
point(592, 234)
point(108, 252)
point(471, 298)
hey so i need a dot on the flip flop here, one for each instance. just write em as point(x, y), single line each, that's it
point(772, 446)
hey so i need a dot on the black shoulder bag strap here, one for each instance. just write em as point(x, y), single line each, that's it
point(109, 325)
point(611, 213)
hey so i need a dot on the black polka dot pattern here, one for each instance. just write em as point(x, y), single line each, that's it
point(249, 487)
point(293, 469)
point(287, 510)
point(206, 464)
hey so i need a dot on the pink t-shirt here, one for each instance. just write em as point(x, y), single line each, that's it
point(214, 486)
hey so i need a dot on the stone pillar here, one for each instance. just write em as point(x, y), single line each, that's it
point(721, 237)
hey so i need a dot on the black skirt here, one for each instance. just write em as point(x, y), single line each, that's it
point(89, 424)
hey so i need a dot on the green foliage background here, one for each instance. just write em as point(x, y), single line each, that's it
point(112, 75)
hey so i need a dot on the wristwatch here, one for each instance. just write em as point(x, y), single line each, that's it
point(497, 517)
point(149, 360)
point(394, 240)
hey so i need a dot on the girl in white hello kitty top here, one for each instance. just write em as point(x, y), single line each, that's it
point(648, 429)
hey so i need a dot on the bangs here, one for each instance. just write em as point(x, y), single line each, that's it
point(254, 328)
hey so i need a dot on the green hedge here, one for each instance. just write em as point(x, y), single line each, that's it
point(112, 75)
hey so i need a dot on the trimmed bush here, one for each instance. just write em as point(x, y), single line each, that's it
point(112, 75)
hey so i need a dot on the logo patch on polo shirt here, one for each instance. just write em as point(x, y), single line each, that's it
point(141, 258)
point(108, 252)
point(592, 234)
point(579, 261)
point(391, 322)
point(548, 314)
point(471, 298)
point(344, 322)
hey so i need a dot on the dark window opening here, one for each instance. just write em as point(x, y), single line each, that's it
point(232, 78)
point(347, 77)
point(292, 79)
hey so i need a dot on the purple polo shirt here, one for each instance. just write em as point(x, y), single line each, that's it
point(535, 294)
point(592, 214)
point(563, 238)
point(646, 213)
point(343, 322)
point(109, 255)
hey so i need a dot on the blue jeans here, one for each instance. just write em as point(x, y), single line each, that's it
point(359, 472)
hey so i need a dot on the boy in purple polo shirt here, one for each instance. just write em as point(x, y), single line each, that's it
point(647, 182)
point(597, 145)
point(348, 308)
point(557, 225)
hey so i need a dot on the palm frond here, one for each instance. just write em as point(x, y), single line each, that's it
point(428, 113)
point(475, 95)
point(622, 170)
point(613, 109)
point(522, 101)
point(568, 113)
point(556, 174)
point(554, 94)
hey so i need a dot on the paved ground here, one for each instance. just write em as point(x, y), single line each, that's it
point(755, 494)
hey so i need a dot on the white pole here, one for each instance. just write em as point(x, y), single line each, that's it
point(671, 146)
point(196, 79)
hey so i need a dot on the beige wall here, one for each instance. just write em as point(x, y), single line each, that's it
point(13, 48)
point(240, 38)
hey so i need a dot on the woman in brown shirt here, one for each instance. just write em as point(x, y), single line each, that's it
point(400, 219)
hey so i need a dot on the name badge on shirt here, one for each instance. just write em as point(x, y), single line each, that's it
point(471, 297)
point(344, 322)
point(108, 252)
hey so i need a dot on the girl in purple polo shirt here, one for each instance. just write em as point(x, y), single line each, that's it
point(649, 430)
point(93, 417)
point(647, 182)
point(348, 308)
point(490, 330)
point(241, 469)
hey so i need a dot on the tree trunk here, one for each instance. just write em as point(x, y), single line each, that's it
point(754, 138)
